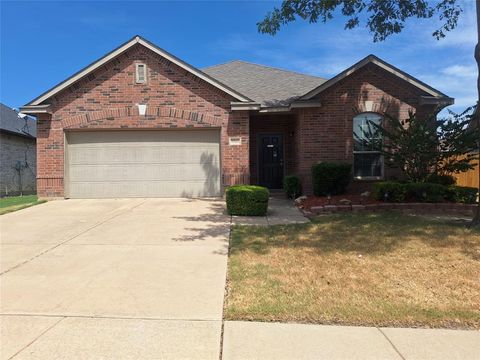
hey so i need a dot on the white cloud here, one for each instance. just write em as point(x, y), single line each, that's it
point(462, 71)
point(456, 81)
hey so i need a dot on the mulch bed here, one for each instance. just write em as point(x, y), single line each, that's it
point(313, 201)
point(353, 199)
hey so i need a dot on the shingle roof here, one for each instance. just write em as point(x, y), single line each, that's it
point(10, 121)
point(266, 85)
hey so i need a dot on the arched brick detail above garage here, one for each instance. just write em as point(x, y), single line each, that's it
point(129, 117)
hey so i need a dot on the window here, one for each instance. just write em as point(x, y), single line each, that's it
point(367, 159)
point(140, 73)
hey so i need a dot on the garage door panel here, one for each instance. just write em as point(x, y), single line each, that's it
point(149, 137)
point(110, 164)
point(159, 172)
point(143, 154)
point(146, 189)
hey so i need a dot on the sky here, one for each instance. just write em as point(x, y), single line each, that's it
point(43, 43)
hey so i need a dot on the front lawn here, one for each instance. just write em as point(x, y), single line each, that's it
point(359, 269)
point(14, 203)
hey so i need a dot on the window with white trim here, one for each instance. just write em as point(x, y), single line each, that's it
point(367, 141)
point(140, 73)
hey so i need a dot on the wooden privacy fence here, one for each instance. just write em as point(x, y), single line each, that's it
point(469, 178)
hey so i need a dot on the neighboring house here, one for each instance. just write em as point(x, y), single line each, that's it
point(140, 122)
point(18, 154)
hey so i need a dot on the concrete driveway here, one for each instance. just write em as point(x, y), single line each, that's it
point(113, 279)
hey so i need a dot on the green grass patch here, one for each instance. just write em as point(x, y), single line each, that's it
point(14, 203)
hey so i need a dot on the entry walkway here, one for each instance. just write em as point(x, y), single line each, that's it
point(281, 211)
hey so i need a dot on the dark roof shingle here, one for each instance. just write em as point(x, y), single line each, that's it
point(266, 85)
point(11, 122)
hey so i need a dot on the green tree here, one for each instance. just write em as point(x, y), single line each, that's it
point(422, 147)
point(383, 18)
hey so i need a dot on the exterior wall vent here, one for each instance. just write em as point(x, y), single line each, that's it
point(140, 73)
point(142, 109)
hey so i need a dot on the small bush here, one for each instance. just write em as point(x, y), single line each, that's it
point(292, 186)
point(426, 192)
point(330, 178)
point(247, 200)
point(445, 180)
point(462, 194)
point(394, 191)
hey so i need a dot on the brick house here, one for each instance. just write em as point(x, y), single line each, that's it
point(17, 153)
point(140, 122)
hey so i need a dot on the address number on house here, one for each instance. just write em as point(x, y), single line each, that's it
point(234, 140)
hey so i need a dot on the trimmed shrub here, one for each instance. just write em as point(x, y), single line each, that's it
point(247, 200)
point(389, 191)
point(292, 186)
point(445, 180)
point(462, 194)
point(330, 178)
point(426, 192)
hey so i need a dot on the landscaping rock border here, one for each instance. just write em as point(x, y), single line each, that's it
point(415, 208)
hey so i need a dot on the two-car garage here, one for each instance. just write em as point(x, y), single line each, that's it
point(153, 163)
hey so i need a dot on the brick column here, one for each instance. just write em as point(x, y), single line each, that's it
point(235, 158)
point(49, 157)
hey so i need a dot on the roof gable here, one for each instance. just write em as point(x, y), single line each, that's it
point(121, 49)
point(372, 59)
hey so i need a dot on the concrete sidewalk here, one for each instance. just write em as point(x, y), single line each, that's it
point(256, 340)
point(280, 211)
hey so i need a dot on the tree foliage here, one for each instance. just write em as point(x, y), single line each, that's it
point(383, 17)
point(422, 147)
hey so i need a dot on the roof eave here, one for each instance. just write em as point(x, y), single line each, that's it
point(36, 109)
point(16, 133)
point(289, 107)
point(256, 106)
point(245, 105)
point(305, 104)
point(432, 100)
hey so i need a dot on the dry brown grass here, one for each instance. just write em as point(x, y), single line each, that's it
point(389, 269)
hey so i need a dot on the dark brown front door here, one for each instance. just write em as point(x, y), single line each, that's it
point(270, 162)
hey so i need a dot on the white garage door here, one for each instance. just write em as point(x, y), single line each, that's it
point(108, 164)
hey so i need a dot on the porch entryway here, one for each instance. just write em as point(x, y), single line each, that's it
point(270, 160)
point(272, 149)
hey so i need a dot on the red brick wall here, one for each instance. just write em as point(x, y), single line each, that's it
point(325, 133)
point(107, 99)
